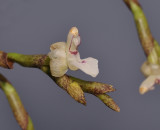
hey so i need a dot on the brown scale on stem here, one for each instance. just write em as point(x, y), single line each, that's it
point(128, 3)
point(4, 61)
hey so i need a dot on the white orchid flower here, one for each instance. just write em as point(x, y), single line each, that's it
point(152, 72)
point(65, 55)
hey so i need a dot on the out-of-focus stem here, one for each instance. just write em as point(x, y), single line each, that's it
point(145, 35)
point(30, 124)
point(148, 43)
point(16, 105)
point(151, 67)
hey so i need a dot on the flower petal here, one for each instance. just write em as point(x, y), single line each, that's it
point(88, 65)
point(148, 83)
point(146, 69)
point(150, 69)
point(72, 33)
point(58, 62)
point(73, 41)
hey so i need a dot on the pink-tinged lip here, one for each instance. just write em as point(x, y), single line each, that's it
point(83, 61)
point(80, 40)
point(74, 52)
point(157, 81)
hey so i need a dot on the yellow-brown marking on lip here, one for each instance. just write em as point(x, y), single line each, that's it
point(74, 31)
point(143, 90)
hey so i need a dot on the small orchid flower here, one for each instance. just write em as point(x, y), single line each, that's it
point(65, 55)
point(152, 72)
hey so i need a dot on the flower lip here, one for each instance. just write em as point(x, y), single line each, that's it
point(79, 42)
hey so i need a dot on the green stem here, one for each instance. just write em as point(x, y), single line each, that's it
point(145, 36)
point(16, 105)
point(36, 61)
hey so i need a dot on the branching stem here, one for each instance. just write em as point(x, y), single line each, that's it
point(65, 82)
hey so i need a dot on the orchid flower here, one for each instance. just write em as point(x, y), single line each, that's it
point(152, 72)
point(65, 55)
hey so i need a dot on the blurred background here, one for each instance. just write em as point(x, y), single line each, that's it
point(108, 33)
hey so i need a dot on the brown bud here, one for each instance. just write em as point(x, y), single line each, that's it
point(76, 92)
point(93, 87)
point(108, 101)
point(96, 88)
